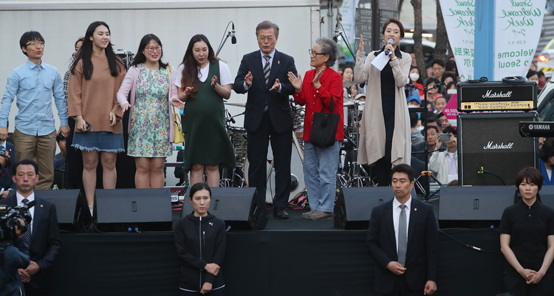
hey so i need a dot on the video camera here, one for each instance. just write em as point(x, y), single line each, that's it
point(9, 219)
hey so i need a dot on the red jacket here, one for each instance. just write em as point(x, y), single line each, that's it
point(314, 100)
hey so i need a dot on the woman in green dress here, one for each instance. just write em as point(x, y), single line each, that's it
point(203, 81)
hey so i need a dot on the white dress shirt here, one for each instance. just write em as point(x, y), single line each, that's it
point(396, 217)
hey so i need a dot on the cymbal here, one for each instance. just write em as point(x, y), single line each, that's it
point(348, 83)
point(236, 104)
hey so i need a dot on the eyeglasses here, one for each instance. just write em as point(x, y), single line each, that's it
point(313, 53)
point(154, 48)
point(35, 44)
point(263, 38)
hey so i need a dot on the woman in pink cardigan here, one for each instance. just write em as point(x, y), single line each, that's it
point(149, 81)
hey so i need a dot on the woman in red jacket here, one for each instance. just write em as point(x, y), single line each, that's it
point(320, 86)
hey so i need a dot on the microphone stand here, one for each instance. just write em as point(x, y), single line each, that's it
point(224, 39)
point(425, 188)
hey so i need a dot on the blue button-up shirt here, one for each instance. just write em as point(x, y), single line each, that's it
point(34, 86)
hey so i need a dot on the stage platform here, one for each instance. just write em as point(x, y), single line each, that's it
point(290, 257)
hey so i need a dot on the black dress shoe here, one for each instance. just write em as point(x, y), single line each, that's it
point(280, 214)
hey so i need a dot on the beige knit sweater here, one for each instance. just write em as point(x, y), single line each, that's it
point(94, 99)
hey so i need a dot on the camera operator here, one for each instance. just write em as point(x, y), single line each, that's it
point(6, 182)
point(16, 256)
point(44, 233)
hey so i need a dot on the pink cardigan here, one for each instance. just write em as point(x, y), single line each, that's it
point(129, 85)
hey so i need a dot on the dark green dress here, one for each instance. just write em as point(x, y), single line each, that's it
point(206, 139)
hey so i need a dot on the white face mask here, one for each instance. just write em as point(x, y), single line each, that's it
point(414, 76)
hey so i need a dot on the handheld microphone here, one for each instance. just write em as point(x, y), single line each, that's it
point(390, 41)
point(233, 37)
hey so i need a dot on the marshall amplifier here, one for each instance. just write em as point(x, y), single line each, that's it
point(490, 148)
point(497, 96)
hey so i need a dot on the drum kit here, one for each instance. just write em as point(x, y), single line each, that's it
point(239, 176)
point(350, 174)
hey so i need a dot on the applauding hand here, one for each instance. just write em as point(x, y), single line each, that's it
point(276, 85)
point(296, 81)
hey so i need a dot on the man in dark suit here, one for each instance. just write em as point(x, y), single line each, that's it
point(44, 233)
point(263, 74)
point(402, 239)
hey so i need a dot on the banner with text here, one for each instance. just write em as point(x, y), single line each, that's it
point(518, 27)
point(459, 20)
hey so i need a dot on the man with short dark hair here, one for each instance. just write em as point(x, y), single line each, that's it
point(263, 74)
point(444, 121)
point(402, 239)
point(417, 137)
point(445, 163)
point(34, 83)
point(44, 241)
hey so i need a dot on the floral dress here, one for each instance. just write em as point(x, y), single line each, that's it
point(149, 131)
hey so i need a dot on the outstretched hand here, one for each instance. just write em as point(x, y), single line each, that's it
point(296, 81)
point(362, 44)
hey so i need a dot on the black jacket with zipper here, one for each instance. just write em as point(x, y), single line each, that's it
point(199, 241)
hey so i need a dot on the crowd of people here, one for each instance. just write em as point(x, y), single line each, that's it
point(98, 89)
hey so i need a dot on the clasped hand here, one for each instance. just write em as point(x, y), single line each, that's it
point(531, 276)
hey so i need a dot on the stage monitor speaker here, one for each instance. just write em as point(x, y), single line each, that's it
point(547, 196)
point(239, 207)
point(354, 205)
point(490, 149)
point(475, 206)
point(66, 205)
point(137, 209)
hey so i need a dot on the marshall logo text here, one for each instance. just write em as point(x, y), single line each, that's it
point(492, 146)
point(499, 94)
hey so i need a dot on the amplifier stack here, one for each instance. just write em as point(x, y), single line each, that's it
point(490, 148)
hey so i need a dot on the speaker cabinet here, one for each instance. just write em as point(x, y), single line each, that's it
point(138, 209)
point(240, 208)
point(490, 149)
point(66, 205)
point(354, 205)
point(475, 206)
point(547, 196)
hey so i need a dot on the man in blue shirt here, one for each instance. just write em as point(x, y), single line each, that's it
point(34, 83)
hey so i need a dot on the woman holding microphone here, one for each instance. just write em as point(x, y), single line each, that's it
point(385, 125)
point(320, 86)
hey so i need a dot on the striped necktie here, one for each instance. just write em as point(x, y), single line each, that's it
point(266, 69)
point(27, 234)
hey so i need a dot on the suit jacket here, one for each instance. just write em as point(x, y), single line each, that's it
point(421, 254)
point(259, 95)
point(6, 173)
point(45, 239)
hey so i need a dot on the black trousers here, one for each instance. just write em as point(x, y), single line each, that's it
point(381, 173)
point(401, 288)
point(30, 291)
point(281, 145)
point(218, 292)
point(515, 285)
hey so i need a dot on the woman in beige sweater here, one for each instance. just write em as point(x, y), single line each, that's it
point(385, 127)
point(96, 75)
